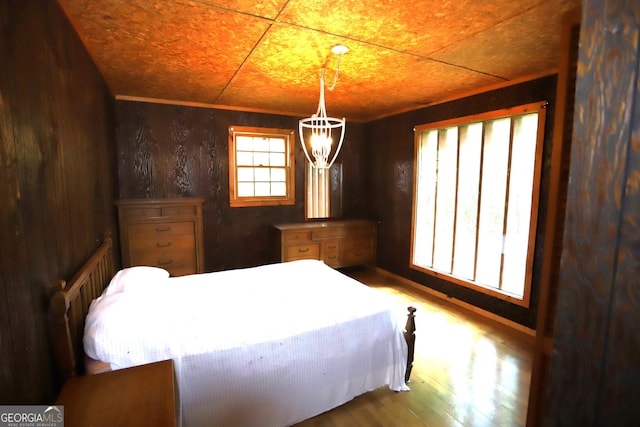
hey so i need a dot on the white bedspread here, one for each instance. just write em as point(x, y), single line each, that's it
point(262, 346)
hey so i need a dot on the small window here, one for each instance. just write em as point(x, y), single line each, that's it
point(261, 166)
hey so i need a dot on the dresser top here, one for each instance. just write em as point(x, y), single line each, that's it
point(175, 200)
point(323, 224)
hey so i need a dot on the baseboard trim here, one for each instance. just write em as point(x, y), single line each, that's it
point(469, 307)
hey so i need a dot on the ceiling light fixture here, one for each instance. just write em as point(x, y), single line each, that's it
point(316, 131)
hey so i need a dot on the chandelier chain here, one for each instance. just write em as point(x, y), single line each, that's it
point(335, 76)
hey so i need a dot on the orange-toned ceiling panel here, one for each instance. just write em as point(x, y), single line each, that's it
point(419, 27)
point(178, 50)
point(265, 8)
point(283, 71)
point(515, 48)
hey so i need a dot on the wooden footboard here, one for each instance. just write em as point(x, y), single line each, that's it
point(410, 337)
point(70, 304)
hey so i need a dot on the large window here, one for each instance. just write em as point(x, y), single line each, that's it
point(261, 166)
point(476, 200)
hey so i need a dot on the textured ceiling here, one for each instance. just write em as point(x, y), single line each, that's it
point(266, 55)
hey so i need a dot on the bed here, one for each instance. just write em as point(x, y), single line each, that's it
point(270, 345)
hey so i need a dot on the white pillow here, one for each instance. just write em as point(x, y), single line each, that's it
point(135, 277)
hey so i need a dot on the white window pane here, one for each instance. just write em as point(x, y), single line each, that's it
point(520, 195)
point(244, 143)
point(279, 174)
point(244, 158)
point(260, 144)
point(245, 189)
point(245, 174)
point(446, 198)
point(425, 199)
point(277, 145)
point(261, 159)
point(492, 201)
point(467, 212)
point(263, 189)
point(278, 189)
point(262, 174)
point(277, 159)
point(318, 192)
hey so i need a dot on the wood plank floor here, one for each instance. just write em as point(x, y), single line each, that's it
point(468, 371)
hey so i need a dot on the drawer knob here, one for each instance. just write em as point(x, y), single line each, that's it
point(303, 250)
point(159, 245)
point(165, 262)
point(162, 229)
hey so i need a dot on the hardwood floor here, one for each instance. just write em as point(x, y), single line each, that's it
point(468, 371)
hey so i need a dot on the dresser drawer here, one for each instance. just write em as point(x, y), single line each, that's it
point(356, 257)
point(293, 237)
point(358, 244)
point(309, 251)
point(161, 231)
point(184, 210)
point(358, 251)
point(331, 253)
point(331, 247)
point(159, 211)
point(328, 233)
point(164, 243)
point(141, 212)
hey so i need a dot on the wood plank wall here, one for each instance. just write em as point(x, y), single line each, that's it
point(57, 186)
point(390, 169)
point(177, 151)
point(595, 363)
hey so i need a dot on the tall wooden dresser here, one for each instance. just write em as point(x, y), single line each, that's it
point(340, 243)
point(163, 233)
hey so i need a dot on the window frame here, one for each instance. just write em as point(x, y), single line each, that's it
point(245, 201)
point(459, 122)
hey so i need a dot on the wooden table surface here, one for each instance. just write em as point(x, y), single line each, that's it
point(139, 396)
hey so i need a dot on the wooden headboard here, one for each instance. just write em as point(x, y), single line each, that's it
point(70, 304)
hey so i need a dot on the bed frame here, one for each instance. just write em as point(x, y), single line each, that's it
point(70, 303)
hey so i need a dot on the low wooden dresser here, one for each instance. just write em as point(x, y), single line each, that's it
point(163, 233)
point(341, 243)
point(140, 396)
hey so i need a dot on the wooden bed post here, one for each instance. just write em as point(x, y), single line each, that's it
point(65, 357)
point(410, 337)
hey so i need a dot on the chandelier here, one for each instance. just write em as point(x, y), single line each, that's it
point(317, 131)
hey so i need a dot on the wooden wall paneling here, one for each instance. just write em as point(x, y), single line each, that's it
point(13, 250)
point(558, 181)
point(57, 178)
point(621, 367)
point(594, 365)
point(621, 364)
point(27, 335)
